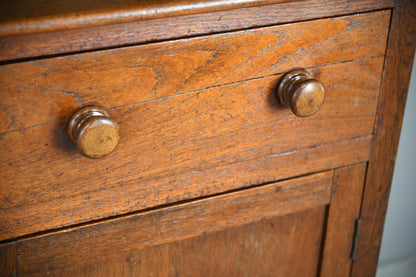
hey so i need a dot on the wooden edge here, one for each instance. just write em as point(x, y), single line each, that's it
point(343, 212)
point(94, 242)
point(55, 42)
point(98, 14)
point(8, 259)
point(239, 175)
point(394, 87)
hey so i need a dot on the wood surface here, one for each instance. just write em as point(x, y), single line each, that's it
point(8, 259)
point(270, 247)
point(40, 192)
point(342, 215)
point(222, 135)
point(127, 34)
point(39, 217)
point(82, 246)
point(25, 16)
point(398, 66)
point(52, 89)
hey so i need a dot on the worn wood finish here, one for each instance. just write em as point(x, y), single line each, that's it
point(50, 43)
point(270, 247)
point(37, 217)
point(206, 139)
point(84, 245)
point(8, 259)
point(342, 215)
point(197, 136)
point(398, 66)
point(52, 89)
point(19, 17)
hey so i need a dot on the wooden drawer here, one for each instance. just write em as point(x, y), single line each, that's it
point(51, 90)
point(198, 117)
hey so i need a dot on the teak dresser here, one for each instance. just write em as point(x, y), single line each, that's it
point(228, 138)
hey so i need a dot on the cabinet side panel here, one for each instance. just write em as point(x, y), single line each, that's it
point(398, 66)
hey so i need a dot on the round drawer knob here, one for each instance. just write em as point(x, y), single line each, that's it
point(95, 134)
point(303, 94)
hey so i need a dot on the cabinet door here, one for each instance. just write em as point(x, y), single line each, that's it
point(298, 227)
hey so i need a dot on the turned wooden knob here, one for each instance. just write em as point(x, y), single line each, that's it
point(303, 94)
point(93, 131)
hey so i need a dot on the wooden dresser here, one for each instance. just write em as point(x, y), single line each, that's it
point(214, 174)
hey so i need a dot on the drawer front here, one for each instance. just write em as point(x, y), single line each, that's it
point(50, 90)
point(212, 127)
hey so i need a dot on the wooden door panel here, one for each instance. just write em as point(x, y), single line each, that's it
point(297, 227)
point(284, 246)
point(88, 245)
point(8, 259)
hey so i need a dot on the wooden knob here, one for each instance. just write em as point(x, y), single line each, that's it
point(93, 131)
point(303, 94)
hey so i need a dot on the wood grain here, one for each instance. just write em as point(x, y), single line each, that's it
point(229, 138)
point(223, 136)
point(92, 205)
point(398, 66)
point(81, 246)
point(343, 211)
point(82, 39)
point(24, 16)
point(52, 89)
point(270, 247)
point(8, 259)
